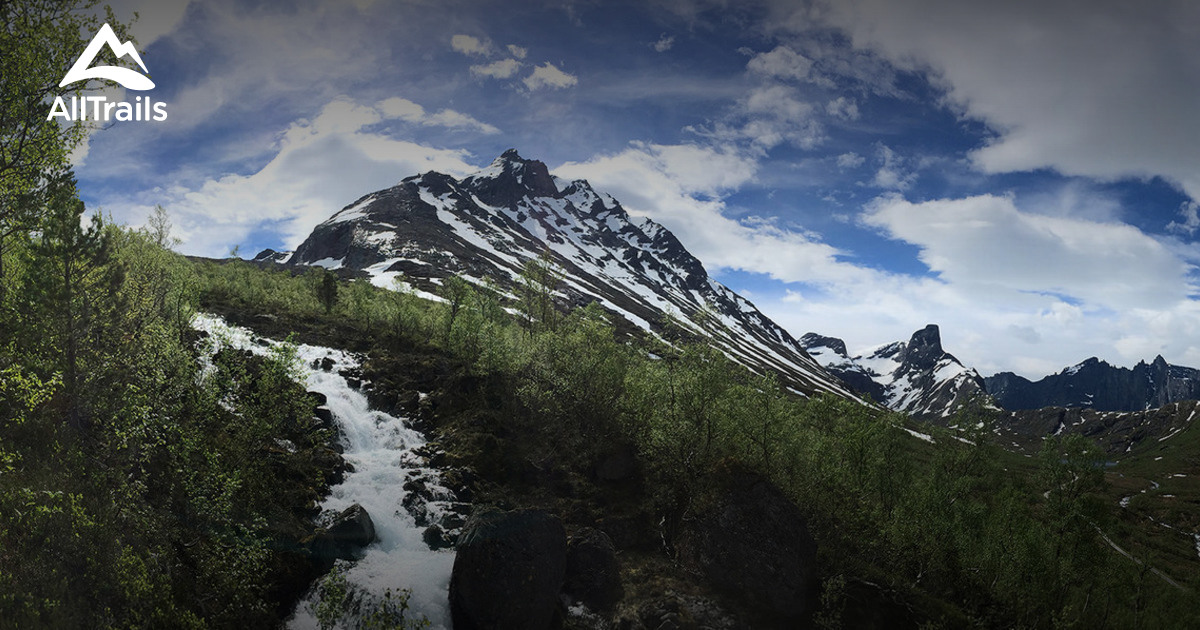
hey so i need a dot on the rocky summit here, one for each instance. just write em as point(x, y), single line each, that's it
point(917, 377)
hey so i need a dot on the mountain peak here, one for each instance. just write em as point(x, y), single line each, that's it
point(510, 178)
point(924, 349)
point(813, 341)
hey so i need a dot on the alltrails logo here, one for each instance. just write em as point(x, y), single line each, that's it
point(100, 108)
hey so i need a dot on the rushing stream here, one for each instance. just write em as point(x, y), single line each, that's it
point(380, 447)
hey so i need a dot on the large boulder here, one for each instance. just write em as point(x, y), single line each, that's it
point(751, 542)
point(593, 574)
point(345, 538)
point(508, 571)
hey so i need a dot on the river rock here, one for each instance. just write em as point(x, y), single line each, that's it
point(324, 416)
point(346, 536)
point(751, 542)
point(508, 571)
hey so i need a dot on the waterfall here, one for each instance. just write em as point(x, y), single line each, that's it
point(381, 448)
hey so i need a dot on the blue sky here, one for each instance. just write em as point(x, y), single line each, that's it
point(1024, 174)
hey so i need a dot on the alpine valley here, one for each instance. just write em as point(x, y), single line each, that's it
point(503, 401)
point(488, 226)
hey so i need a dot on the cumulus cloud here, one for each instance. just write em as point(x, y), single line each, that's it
point(850, 160)
point(549, 75)
point(782, 62)
point(892, 173)
point(404, 109)
point(517, 51)
point(770, 115)
point(469, 45)
point(1189, 213)
point(663, 44)
point(842, 107)
point(1098, 88)
point(984, 243)
point(321, 165)
point(501, 69)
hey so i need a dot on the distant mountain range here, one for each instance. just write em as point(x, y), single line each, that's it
point(486, 226)
point(1097, 385)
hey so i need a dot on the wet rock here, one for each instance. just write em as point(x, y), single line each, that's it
point(593, 575)
point(319, 399)
point(436, 537)
point(346, 536)
point(508, 571)
point(327, 364)
point(751, 542)
point(325, 416)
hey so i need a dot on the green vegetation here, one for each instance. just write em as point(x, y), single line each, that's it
point(340, 605)
point(141, 488)
point(962, 531)
point(135, 491)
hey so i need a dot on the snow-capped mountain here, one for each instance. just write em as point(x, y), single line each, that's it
point(917, 377)
point(1094, 384)
point(486, 226)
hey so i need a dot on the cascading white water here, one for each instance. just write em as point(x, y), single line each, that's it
point(381, 449)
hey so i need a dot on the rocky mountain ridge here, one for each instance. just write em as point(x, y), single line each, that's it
point(1095, 384)
point(917, 377)
point(485, 227)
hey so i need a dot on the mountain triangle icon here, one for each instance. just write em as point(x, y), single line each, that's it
point(131, 79)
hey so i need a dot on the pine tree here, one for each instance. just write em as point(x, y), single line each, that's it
point(39, 40)
point(72, 295)
point(327, 292)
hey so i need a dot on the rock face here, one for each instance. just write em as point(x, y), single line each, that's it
point(918, 377)
point(1118, 432)
point(752, 543)
point(1094, 384)
point(486, 226)
point(345, 538)
point(593, 575)
point(509, 571)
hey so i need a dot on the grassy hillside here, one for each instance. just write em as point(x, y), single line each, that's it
point(957, 530)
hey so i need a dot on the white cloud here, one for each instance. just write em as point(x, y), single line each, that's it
point(850, 160)
point(1098, 88)
point(783, 62)
point(770, 115)
point(320, 166)
point(682, 187)
point(156, 18)
point(548, 75)
point(892, 173)
point(468, 45)
point(501, 69)
point(842, 107)
point(404, 109)
point(663, 44)
point(517, 51)
point(1190, 213)
point(984, 244)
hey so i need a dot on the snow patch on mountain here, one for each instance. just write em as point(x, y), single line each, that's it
point(489, 224)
